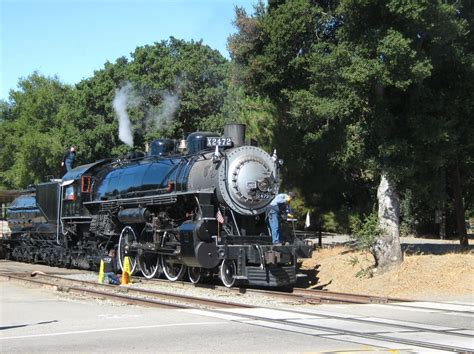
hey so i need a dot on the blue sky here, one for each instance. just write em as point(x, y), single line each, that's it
point(72, 38)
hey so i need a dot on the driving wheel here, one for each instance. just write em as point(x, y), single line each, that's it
point(194, 274)
point(127, 237)
point(148, 262)
point(173, 271)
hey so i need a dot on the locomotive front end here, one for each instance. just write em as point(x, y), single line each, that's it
point(244, 177)
point(248, 180)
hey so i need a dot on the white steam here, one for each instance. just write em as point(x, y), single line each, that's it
point(155, 117)
point(120, 103)
point(165, 112)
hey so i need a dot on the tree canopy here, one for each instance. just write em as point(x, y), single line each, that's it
point(365, 88)
point(175, 87)
point(345, 91)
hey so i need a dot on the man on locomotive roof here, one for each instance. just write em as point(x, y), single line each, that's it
point(68, 159)
point(277, 211)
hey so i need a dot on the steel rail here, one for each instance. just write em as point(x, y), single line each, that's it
point(95, 293)
point(87, 287)
point(347, 297)
point(309, 296)
point(157, 294)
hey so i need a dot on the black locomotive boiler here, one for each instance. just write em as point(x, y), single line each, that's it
point(202, 211)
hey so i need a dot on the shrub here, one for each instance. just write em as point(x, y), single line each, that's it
point(366, 233)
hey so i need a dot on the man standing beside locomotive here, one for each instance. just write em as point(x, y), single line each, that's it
point(276, 211)
point(68, 159)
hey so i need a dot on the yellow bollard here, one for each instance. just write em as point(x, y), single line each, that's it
point(126, 276)
point(101, 271)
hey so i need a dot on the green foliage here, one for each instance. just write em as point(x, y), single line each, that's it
point(364, 271)
point(44, 116)
point(343, 221)
point(30, 131)
point(361, 87)
point(191, 71)
point(341, 89)
point(366, 233)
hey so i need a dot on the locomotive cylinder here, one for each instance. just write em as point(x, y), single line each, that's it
point(134, 216)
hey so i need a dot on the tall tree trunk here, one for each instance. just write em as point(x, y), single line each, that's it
point(387, 250)
point(459, 207)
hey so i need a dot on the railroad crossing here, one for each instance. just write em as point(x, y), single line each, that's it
point(41, 319)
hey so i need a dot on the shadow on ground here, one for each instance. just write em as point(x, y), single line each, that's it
point(310, 279)
point(433, 248)
point(26, 325)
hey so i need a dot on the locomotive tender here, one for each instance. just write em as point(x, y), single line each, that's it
point(202, 211)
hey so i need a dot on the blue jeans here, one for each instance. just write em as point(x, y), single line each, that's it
point(273, 220)
point(112, 278)
point(68, 165)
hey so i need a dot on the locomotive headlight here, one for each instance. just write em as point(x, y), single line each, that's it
point(263, 184)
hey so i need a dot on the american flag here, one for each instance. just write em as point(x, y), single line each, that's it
point(219, 217)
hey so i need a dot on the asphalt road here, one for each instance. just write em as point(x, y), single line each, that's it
point(35, 320)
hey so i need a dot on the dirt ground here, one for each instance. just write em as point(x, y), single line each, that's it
point(448, 276)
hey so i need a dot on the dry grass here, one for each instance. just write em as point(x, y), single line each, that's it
point(418, 277)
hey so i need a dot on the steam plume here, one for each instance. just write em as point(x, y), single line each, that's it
point(164, 113)
point(120, 106)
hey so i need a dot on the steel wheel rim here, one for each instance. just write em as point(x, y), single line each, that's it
point(227, 272)
point(194, 274)
point(127, 236)
point(173, 271)
point(148, 263)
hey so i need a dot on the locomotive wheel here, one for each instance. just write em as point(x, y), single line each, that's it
point(127, 237)
point(149, 263)
point(173, 271)
point(227, 272)
point(194, 274)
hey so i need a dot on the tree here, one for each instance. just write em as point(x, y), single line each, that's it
point(168, 89)
point(182, 85)
point(359, 84)
point(183, 82)
point(31, 144)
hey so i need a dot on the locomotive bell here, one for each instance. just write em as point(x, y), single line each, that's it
point(182, 145)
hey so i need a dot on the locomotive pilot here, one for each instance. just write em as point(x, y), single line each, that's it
point(276, 211)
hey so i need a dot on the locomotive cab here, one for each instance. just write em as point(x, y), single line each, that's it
point(76, 188)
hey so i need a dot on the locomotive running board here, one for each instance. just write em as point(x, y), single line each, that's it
point(156, 199)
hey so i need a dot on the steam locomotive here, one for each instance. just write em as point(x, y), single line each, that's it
point(200, 211)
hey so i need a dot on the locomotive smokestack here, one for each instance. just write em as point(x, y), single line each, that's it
point(236, 132)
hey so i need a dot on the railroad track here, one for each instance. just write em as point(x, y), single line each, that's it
point(298, 295)
point(124, 294)
point(331, 296)
point(248, 314)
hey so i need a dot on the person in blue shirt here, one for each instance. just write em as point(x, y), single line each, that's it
point(68, 159)
point(276, 211)
point(111, 268)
